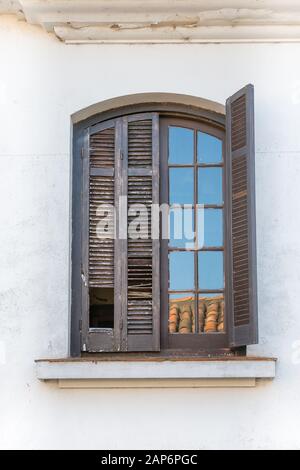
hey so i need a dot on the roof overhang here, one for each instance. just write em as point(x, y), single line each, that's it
point(162, 21)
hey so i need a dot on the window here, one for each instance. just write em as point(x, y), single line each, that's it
point(192, 169)
point(163, 248)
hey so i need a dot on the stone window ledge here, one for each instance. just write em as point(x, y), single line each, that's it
point(156, 372)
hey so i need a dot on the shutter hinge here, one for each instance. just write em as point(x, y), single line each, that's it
point(83, 277)
point(121, 323)
point(82, 152)
point(80, 325)
point(121, 154)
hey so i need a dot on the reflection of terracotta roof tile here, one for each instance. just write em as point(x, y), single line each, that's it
point(210, 314)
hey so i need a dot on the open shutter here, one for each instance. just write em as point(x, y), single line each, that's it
point(242, 312)
point(141, 304)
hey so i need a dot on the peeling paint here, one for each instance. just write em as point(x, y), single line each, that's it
point(167, 21)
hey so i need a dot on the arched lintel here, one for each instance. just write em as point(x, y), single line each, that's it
point(142, 102)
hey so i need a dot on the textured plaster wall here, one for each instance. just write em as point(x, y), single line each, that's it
point(42, 82)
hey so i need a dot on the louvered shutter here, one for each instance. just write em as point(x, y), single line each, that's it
point(141, 321)
point(101, 188)
point(121, 163)
point(241, 214)
point(100, 172)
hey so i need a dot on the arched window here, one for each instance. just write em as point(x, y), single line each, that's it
point(163, 227)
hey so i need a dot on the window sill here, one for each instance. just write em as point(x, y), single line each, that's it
point(156, 373)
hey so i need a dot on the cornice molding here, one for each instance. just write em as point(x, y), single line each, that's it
point(163, 21)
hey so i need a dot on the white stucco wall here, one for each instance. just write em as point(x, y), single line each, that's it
point(42, 82)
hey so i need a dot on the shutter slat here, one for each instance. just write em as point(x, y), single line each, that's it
point(240, 155)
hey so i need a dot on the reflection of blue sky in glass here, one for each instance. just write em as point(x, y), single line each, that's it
point(181, 181)
point(210, 186)
point(210, 221)
point(210, 227)
point(209, 148)
point(182, 228)
point(181, 145)
point(210, 269)
point(181, 269)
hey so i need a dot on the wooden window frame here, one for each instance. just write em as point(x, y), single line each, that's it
point(206, 118)
point(201, 342)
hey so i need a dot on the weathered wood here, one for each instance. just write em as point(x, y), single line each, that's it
point(143, 285)
point(85, 242)
point(103, 150)
point(141, 176)
point(102, 172)
point(241, 217)
point(123, 223)
point(156, 240)
point(76, 306)
point(139, 171)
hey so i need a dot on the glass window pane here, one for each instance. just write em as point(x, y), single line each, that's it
point(210, 186)
point(182, 228)
point(210, 270)
point(211, 313)
point(210, 227)
point(181, 269)
point(182, 313)
point(181, 185)
point(181, 145)
point(209, 148)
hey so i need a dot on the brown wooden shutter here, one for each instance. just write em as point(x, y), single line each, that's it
point(100, 172)
point(141, 303)
point(121, 163)
point(241, 284)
